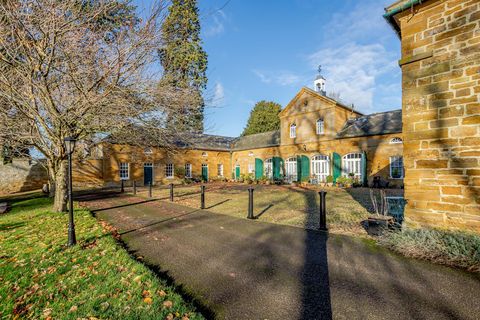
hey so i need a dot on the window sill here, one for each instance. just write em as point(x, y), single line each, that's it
point(392, 178)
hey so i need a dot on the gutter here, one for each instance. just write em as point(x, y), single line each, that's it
point(390, 14)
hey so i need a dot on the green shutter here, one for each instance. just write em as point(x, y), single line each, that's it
point(305, 169)
point(258, 168)
point(337, 166)
point(299, 168)
point(364, 169)
point(237, 172)
point(277, 163)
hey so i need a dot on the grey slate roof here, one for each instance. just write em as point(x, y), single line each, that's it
point(259, 140)
point(373, 124)
point(205, 141)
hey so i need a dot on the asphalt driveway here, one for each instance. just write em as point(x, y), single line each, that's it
point(242, 269)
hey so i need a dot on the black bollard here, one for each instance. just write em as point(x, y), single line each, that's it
point(150, 189)
point(134, 187)
point(250, 203)
point(202, 198)
point(323, 210)
point(171, 192)
point(122, 190)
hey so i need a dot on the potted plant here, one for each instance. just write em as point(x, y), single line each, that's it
point(304, 181)
point(329, 181)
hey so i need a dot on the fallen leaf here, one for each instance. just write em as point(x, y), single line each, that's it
point(73, 309)
point(169, 317)
point(148, 300)
point(162, 293)
point(168, 304)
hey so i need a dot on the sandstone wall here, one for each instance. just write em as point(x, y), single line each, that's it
point(22, 175)
point(378, 149)
point(441, 112)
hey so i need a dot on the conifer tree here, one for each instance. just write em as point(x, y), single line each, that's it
point(184, 61)
point(263, 118)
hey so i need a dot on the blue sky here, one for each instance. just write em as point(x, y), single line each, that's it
point(267, 50)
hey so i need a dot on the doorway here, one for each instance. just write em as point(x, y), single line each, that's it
point(147, 173)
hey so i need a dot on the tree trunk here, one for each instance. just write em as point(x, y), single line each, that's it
point(60, 187)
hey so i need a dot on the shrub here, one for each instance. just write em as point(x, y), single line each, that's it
point(329, 179)
point(453, 248)
point(179, 172)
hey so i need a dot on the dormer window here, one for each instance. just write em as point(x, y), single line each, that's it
point(396, 140)
point(293, 130)
point(320, 126)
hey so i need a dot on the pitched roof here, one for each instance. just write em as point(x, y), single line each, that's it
point(259, 140)
point(317, 95)
point(205, 141)
point(373, 124)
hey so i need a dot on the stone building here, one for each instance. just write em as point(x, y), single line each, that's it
point(319, 137)
point(440, 62)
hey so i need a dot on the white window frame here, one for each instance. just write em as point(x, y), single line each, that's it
point(268, 168)
point(251, 168)
point(124, 170)
point(320, 127)
point(352, 163)
point(396, 162)
point(188, 170)
point(293, 130)
point(396, 140)
point(220, 169)
point(169, 171)
point(291, 169)
point(320, 167)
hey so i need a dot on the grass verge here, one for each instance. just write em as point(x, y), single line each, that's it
point(453, 248)
point(41, 278)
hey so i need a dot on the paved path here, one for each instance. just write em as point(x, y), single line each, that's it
point(245, 269)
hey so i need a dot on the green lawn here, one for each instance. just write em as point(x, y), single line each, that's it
point(296, 206)
point(41, 278)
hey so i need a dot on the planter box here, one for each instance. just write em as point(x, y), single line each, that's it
point(378, 224)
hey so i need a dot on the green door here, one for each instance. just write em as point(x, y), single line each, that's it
point(277, 163)
point(237, 172)
point(147, 174)
point(364, 169)
point(337, 166)
point(258, 168)
point(204, 172)
point(305, 170)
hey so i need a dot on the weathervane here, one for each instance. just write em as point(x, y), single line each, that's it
point(319, 68)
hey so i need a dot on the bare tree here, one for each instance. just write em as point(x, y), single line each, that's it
point(68, 69)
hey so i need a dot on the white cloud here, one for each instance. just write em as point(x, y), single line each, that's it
point(217, 25)
point(218, 95)
point(282, 78)
point(353, 69)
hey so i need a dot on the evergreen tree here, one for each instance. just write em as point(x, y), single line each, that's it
point(263, 118)
point(184, 61)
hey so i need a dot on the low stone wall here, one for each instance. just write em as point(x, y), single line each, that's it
point(22, 175)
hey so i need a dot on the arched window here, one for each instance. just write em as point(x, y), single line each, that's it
point(268, 168)
point(352, 163)
point(250, 154)
point(321, 167)
point(204, 154)
point(320, 126)
point(396, 140)
point(148, 151)
point(291, 169)
point(293, 130)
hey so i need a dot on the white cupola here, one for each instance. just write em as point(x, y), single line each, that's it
point(319, 83)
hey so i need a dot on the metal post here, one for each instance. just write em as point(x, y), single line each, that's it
point(250, 203)
point(202, 197)
point(134, 187)
point(323, 210)
point(171, 192)
point(122, 190)
point(150, 189)
point(72, 240)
